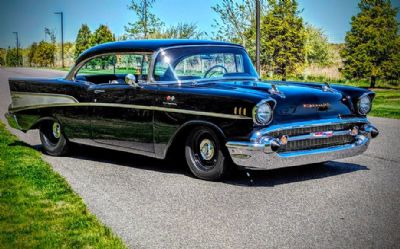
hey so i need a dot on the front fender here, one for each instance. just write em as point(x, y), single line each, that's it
point(177, 138)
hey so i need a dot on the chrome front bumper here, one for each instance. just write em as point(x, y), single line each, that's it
point(261, 151)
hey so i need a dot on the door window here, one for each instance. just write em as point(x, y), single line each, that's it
point(113, 65)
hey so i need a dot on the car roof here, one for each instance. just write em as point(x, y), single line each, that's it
point(144, 46)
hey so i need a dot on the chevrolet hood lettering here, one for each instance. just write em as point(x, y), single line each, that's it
point(323, 105)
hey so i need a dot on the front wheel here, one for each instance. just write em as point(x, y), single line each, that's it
point(53, 140)
point(205, 155)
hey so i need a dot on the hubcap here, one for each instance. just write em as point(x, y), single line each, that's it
point(56, 130)
point(206, 149)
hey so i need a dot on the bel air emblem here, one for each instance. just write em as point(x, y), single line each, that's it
point(322, 134)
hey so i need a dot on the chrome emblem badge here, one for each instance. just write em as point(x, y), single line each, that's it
point(323, 105)
point(322, 134)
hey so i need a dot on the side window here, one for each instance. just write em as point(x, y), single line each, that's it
point(118, 64)
point(99, 65)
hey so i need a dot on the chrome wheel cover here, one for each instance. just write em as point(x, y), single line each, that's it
point(207, 149)
point(56, 130)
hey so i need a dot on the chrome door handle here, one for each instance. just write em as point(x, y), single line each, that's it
point(99, 91)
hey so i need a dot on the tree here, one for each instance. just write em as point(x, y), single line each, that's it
point(102, 35)
point(83, 40)
point(2, 57)
point(51, 34)
point(31, 54)
point(317, 47)
point(282, 38)
point(235, 19)
point(180, 31)
point(147, 23)
point(12, 60)
point(44, 54)
point(372, 45)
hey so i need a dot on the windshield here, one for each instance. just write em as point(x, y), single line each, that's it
point(202, 62)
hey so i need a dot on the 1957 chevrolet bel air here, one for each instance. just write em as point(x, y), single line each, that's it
point(201, 98)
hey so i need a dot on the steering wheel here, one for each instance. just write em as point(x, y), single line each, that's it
point(212, 68)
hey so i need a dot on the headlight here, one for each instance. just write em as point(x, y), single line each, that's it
point(262, 113)
point(364, 105)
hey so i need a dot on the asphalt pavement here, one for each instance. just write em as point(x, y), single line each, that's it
point(149, 203)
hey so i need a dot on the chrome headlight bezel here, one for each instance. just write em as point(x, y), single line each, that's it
point(364, 104)
point(264, 106)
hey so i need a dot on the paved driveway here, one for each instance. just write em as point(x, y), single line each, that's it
point(352, 203)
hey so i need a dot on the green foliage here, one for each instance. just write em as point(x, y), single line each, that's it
point(147, 23)
point(372, 45)
point(44, 54)
point(235, 18)
point(12, 59)
point(386, 104)
point(38, 208)
point(282, 38)
point(180, 31)
point(2, 57)
point(31, 54)
point(102, 35)
point(317, 47)
point(83, 40)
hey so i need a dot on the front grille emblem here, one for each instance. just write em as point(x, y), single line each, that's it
point(324, 134)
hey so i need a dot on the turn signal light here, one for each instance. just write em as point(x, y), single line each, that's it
point(354, 131)
point(284, 140)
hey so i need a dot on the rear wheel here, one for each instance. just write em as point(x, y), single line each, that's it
point(205, 155)
point(53, 140)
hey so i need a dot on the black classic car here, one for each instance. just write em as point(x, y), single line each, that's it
point(201, 98)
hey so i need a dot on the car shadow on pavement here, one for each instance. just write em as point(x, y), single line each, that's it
point(264, 178)
point(270, 178)
point(120, 158)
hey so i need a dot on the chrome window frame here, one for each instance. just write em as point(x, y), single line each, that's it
point(150, 79)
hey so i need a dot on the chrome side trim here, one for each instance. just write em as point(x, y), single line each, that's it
point(22, 99)
point(29, 101)
point(93, 143)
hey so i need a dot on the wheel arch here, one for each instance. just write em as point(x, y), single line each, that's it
point(41, 120)
point(180, 135)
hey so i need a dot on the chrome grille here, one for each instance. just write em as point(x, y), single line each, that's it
point(317, 143)
point(312, 129)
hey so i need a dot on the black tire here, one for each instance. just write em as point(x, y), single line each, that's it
point(54, 143)
point(212, 163)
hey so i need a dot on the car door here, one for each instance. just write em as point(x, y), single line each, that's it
point(122, 116)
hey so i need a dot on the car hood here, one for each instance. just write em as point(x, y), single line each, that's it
point(294, 101)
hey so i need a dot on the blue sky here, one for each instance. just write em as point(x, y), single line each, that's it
point(30, 17)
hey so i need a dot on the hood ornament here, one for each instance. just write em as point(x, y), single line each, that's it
point(327, 88)
point(275, 91)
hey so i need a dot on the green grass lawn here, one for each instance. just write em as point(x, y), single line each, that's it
point(38, 209)
point(386, 104)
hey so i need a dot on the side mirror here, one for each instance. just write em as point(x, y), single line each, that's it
point(130, 79)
